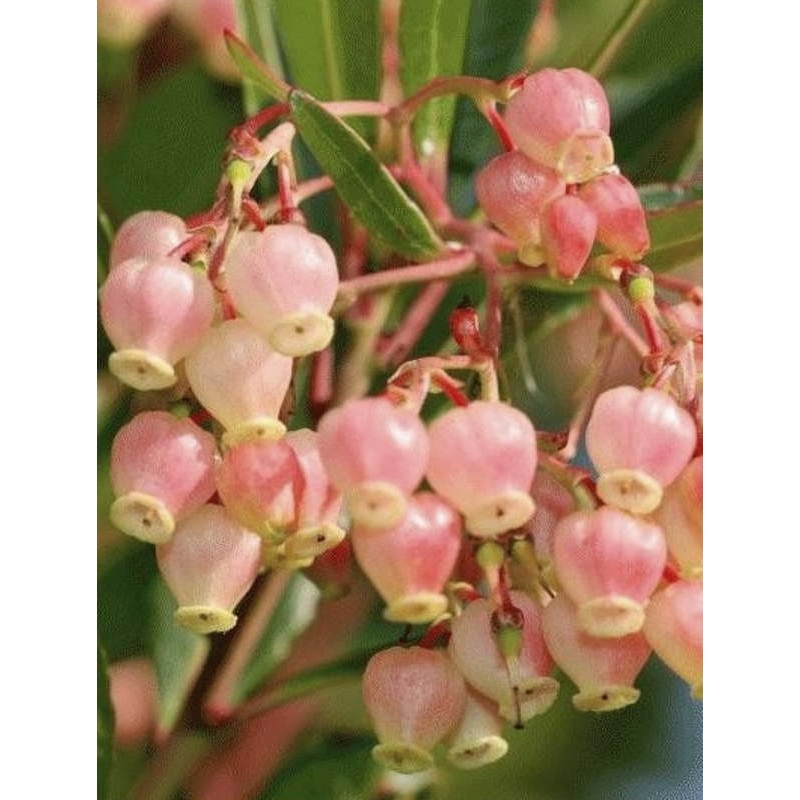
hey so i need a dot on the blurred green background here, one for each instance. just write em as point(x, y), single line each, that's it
point(163, 121)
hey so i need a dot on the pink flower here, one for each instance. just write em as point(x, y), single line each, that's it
point(609, 563)
point(521, 685)
point(513, 191)
point(621, 221)
point(155, 312)
point(674, 629)
point(209, 565)
point(414, 697)
point(376, 454)
point(560, 118)
point(482, 461)
point(603, 669)
point(149, 235)
point(568, 229)
point(639, 440)
point(241, 381)
point(283, 281)
point(478, 739)
point(410, 562)
point(162, 469)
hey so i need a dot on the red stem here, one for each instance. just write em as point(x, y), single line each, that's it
point(450, 388)
point(496, 121)
point(252, 211)
point(263, 117)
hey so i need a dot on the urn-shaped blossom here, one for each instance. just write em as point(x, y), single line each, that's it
point(376, 454)
point(674, 629)
point(603, 669)
point(609, 563)
point(414, 697)
point(621, 221)
point(260, 482)
point(241, 380)
point(513, 192)
point(482, 461)
point(155, 312)
point(283, 281)
point(478, 738)
point(560, 118)
point(639, 440)
point(520, 684)
point(410, 562)
point(209, 565)
point(568, 229)
point(149, 235)
point(162, 469)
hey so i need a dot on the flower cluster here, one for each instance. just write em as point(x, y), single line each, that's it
point(475, 524)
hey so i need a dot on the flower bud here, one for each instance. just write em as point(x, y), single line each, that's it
point(674, 629)
point(621, 221)
point(162, 470)
point(124, 23)
point(609, 563)
point(512, 191)
point(209, 565)
point(316, 527)
point(149, 234)
point(414, 697)
point(560, 118)
point(410, 562)
point(376, 454)
point(681, 517)
point(260, 482)
point(134, 690)
point(568, 230)
point(155, 312)
point(603, 669)
point(283, 281)
point(519, 684)
point(482, 461)
point(639, 440)
point(478, 740)
point(241, 381)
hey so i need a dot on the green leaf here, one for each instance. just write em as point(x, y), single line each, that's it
point(332, 49)
point(663, 196)
point(336, 768)
point(364, 184)
point(178, 655)
point(105, 726)
point(254, 70)
point(256, 26)
point(294, 612)
point(676, 229)
point(433, 36)
point(168, 155)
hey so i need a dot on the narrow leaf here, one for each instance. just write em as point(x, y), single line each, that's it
point(257, 27)
point(611, 47)
point(294, 612)
point(105, 236)
point(364, 184)
point(178, 655)
point(253, 69)
point(676, 236)
point(105, 726)
point(433, 36)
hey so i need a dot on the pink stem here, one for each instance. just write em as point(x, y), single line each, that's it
point(357, 108)
point(321, 388)
point(417, 273)
point(619, 325)
point(414, 323)
point(303, 191)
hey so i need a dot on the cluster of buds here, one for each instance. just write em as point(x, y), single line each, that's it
point(517, 561)
point(560, 191)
